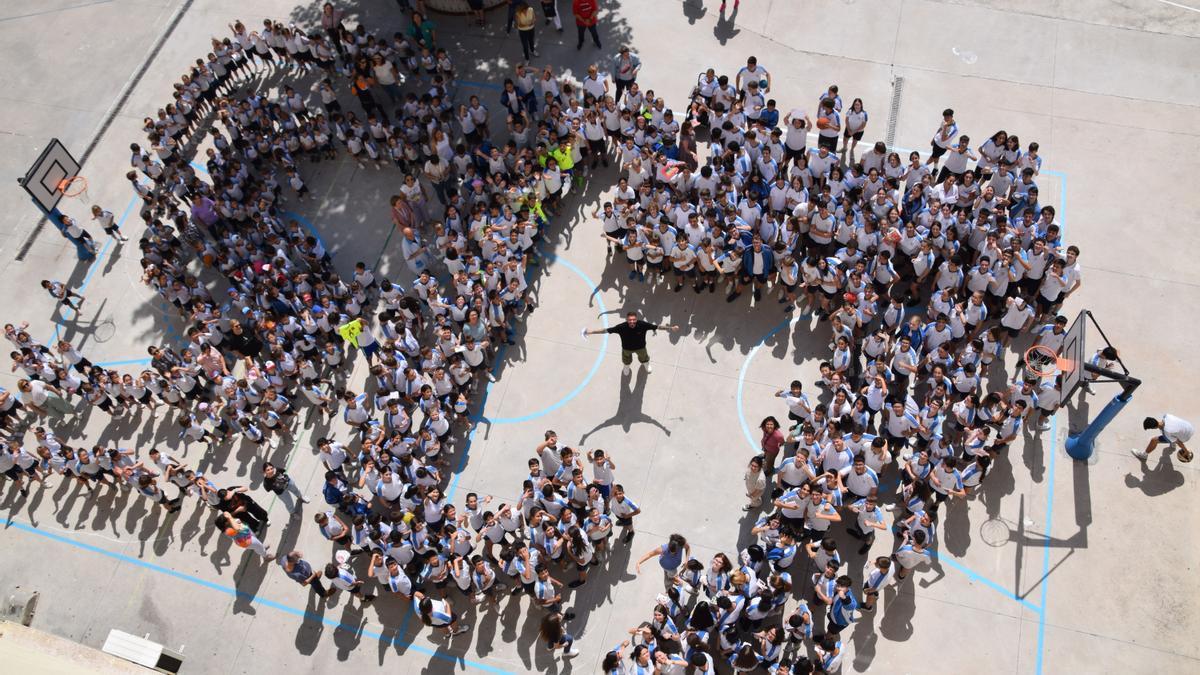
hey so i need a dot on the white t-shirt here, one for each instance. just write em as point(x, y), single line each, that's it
point(1177, 430)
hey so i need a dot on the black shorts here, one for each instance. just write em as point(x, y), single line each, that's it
point(936, 150)
point(829, 142)
point(14, 473)
point(685, 273)
point(746, 277)
point(794, 154)
point(1045, 305)
point(858, 136)
point(624, 522)
point(596, 146)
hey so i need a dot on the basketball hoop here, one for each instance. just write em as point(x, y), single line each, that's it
point(74, 187)
point(1043, 361)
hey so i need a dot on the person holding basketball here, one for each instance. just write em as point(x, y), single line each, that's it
point(829, 125)
point(1172, 430)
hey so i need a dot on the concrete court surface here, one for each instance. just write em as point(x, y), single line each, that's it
point(1056, 567)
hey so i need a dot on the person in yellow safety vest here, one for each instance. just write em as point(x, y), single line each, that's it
point(562, 154)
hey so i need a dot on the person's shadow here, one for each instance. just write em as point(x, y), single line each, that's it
point(726, 28)
point(694, 10)
point(1160, 480)
point(629, 408)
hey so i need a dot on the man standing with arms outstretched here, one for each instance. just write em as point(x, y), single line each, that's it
point(632, 332)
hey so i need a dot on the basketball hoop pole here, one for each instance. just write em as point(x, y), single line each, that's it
point(1082, 445)
point(81, 249)
point(55, 216)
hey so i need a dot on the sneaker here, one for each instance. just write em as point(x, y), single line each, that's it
point(1044, 425)
point(626, 370)
point(649, 368)
point(1140, 454)
point(575, 584)
point(628, 537)
point(571, 654)
point(732, 296)
point(462, 628)
point(304, 499)
point(632, 274)
point(491, 377)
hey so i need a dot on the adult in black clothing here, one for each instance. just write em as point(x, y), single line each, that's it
point(236, 500)
point(243, 341)
point(632, 332)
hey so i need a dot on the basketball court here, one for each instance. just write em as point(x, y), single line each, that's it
point(1058, 565)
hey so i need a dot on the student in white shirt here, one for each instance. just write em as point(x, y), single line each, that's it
point(1172, 430)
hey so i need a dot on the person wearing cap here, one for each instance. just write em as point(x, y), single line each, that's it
point(625, 70)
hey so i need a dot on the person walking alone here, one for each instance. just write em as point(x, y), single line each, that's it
point(625, 71)
point(526, 19)
point(278, 481)
point(633, 339)
point(585, 20)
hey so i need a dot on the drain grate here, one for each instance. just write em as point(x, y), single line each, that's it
point(894, 112)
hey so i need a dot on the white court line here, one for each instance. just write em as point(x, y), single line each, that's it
point(1176, 4)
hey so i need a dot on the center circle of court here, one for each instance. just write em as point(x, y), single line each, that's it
point(786, 324)
point(591, 373)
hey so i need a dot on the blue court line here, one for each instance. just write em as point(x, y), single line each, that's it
point(287, 214)
point(311, 229)
point(741, 385)
point(479, 85)
point(953, 563)
point(87, 279)
point(595, 364)
point(234, 592)
point(1041, 641)
point(1041, 651)
point(975, 576)
point(126, 362)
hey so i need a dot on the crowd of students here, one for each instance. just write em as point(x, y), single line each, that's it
point(926, 270)
point(273, 329)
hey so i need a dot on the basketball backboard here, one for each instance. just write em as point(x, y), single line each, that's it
point(1073, 356)
point(44, 179)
